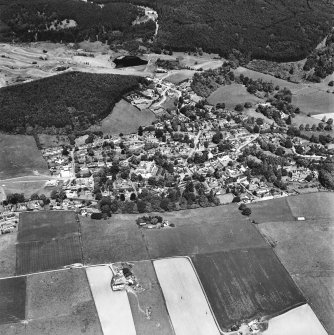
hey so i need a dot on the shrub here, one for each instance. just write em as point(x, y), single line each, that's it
point(247, 211)
point(96, 216)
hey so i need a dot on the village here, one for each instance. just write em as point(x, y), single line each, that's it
point(195, 154)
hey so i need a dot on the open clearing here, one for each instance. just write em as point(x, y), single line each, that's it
point(245, 284)
point(197, 231)
point(46, 225)
point(125, 118)
point(186, 302)
point(148, 307)
point(19, 156)
point(232, 95)
point(113, 307)
point(298, 321)
point(179, 76)
point(47, 255)
point(13, 297)
point(7, 254)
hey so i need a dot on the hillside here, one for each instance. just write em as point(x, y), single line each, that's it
point(73, 100)
point(276, 30)
point(70, 21)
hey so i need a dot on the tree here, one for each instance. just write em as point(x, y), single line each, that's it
point(140, 131)
point(239, 108)
point(236, 199)
point(96, 216)
point(34, 196)
point(247, 211)
point(242, 207)
point(133, 197)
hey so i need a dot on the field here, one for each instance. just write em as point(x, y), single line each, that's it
point(19, 156)
point(46, 225)
point(148, 305)
point(306, 249)
point(272, 210)
point(179, 76)
point(126, 119)
point(13, 297)
point(313, 205)
point(61, 297)
point(298, 321)
point(185, 300)
point(232, 95)
point(245, 284)
point(197, 231)
point(47, 255)
point(111, 241)
point(313, 101)
point(113, 307)
point(7, 254)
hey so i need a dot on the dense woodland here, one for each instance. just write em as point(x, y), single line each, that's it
point(38, 20)
point(266, 29)
point(282, 30)
point(72, 100)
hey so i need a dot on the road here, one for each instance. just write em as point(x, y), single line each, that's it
point(191, 152)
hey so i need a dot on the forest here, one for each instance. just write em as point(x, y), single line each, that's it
point(39, 20)
point(72, 100)
point(264, 29)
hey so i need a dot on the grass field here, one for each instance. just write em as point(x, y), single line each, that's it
point(7, 254)
point(306, 249)
point(271, 210)
point(42, 226)
point(113, 307)
point(313, 205)
point(185, 300)
point(126, 119)
point(179, 76)
point(62, 295)
point(298, 321)
point(112, 241)
point(232, 95)
point(197, 231)
point(148, 305)
point(245, 284)
point(47, 255)
point(13, 297)
point(19, 156)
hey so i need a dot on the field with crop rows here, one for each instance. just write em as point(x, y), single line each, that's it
point(245, 284)
point(47, 255)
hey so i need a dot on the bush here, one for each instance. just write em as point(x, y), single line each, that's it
point(242, 207)
point(247, 211)
point(96, 216)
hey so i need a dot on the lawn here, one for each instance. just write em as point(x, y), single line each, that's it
point(46, 225)
point(148, 307)
point(186, 303)
point(12, 302)
point(112, 307)
point(232, 95)
point(7, 254)
point(306, 250)
point(126, 119)
point(47, 255)
point(19, 156)
point(245, 284)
